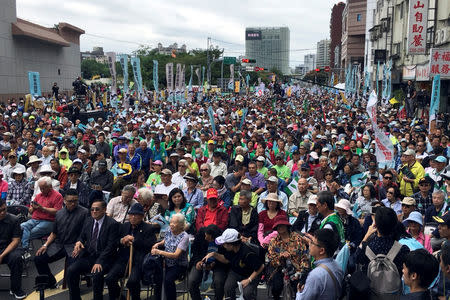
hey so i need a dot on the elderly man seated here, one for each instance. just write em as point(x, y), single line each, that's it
point(43, 210)
point(119, 206)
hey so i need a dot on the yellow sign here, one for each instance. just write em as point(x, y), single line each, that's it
point(237, 86)
point(104, 98)
point(344, 99)
point(27, 101)
point(393, 101)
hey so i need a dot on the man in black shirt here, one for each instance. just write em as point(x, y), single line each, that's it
point(142, 236)
point(67, 227)
point(246, 266)
point(55, 91)
point(10, 252)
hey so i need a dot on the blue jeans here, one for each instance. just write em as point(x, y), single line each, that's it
point(34, 229)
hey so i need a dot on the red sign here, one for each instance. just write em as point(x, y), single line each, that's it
point(327, 69)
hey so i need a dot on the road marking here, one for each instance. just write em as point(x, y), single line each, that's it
point(35, 295)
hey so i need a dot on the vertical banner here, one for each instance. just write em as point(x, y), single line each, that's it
point(177, 77)
point(197, 72)
point(112, 70)
point(203, 77)
point(123, 58)
point(417, 27)
point(169, 76)
point(237, 86)
point(435, 99)
point(383, 93)
point(384, 150)
point(183, 83)
point(190, 79)
point(211, 119)
point(244, 115)
point(230, 83)
point(377, 75)
point(35, 83)
point(136, 66)
point(155, 75)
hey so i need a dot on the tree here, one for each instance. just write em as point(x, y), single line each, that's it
point(90, 67)
point(317, 77)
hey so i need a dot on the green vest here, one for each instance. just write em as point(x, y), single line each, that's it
point(337, 221)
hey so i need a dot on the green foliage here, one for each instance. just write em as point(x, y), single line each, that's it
point(90, 67)
point(318, 77)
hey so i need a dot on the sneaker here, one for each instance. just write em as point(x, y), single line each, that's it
point(26, 255)
point(18, 295)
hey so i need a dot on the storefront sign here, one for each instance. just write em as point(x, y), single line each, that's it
point(440, 62)
point(417, 27)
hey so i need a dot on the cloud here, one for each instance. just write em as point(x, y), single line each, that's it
point(122, 26)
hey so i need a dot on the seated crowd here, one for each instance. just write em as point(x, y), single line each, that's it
point(240, 208)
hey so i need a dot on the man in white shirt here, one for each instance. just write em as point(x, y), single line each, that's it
point(119, 206)
point(217, 166)
point(178, 177)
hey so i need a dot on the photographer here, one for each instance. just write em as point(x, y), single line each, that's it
point(325, 281)
point(409, 173)
point(286, 251)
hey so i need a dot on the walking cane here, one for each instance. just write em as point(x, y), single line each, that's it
point(130, 265)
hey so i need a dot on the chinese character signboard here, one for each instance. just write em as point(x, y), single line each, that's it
point(35, 83)
point(440, 62)
point(112, 69)
point(417, 26)
point(423, 72)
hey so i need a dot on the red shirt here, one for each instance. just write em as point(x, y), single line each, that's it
point(206, 217)
point(52, 200)
point(268, 222)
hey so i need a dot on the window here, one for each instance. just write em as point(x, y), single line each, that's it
point(59, 71)
point(358, 17)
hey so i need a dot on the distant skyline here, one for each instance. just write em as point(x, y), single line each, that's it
point(121, 26)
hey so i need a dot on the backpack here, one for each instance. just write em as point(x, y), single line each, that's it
point(385, 280)
point(152, 270)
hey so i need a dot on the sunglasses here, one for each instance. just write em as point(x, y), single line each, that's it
point(96, 209)
point(203, 170)
point(389, 192)
point(424, 184)
point(388, 177)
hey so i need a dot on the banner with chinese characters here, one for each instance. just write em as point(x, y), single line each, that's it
point(417, 27)
point(35, 83)
point(123, 58)
point(169, 76)
point(384, 150)
point(435, 99)
point(136, 66)
point(440, 62)
point(155, 75)
point(112, 70)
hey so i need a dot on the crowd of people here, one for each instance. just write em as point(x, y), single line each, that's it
point(226, 192)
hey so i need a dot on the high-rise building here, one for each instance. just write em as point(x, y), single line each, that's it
point(336, 35)
point(310, 62)
point(353, 33)
point(269, 46)
point(323, 54)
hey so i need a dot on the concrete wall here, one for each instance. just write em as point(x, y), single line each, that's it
point(18, 55)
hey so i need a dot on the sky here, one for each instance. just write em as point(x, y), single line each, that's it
point(122, 26)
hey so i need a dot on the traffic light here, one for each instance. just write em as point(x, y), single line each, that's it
point(258, 69)
point(317, 70)
point(248, 61)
